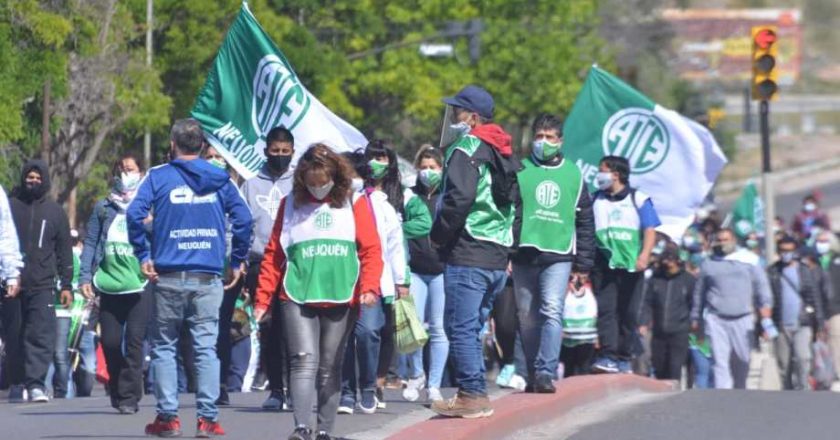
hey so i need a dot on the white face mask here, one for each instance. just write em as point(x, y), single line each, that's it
point(809, 207)
point(321, 192)
point(823, 247)
point(604, 180)
point(129, 180)
point(357, 184)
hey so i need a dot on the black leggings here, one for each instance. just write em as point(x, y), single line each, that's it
point(316, 338)
point(669, 352)
point(386, 346)
point(124, 318)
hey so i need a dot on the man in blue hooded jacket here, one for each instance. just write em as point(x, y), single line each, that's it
point(190, 200)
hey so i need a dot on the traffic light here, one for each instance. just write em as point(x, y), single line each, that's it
point(765, 75)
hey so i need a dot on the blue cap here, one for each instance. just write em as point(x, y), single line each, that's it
point(474, 99)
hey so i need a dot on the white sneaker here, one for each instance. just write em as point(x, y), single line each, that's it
point(517, 382)
point(38, 395)
point(411, 392)
point(345, 410)
point(434, 394)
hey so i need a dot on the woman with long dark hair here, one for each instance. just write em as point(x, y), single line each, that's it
point(426, 277)
point(323, 260)
point(110, 269)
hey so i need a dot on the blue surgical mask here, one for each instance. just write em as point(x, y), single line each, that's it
point(787, 257)
point(461, 128)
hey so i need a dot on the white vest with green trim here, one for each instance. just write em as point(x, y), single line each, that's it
point(618, 229)
point(485, 221)
point(322, 263)
point(550, 195)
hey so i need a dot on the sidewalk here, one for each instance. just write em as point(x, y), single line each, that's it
point(519, 410)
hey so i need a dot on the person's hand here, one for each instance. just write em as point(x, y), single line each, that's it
point(87, 290)
point(260, 314)
point(234, 275)
point(13, 289)
point(368, 299)
point(643, 262)
point(402, 291)
point(66, 299)
point(148, 269)
point(509, 269)
point(643, 329)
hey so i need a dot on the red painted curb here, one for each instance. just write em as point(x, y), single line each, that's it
point(520, 410)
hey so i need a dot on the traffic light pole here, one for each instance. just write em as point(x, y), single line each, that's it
point(767, 181)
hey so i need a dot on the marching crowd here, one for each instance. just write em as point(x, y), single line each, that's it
point(291, 282)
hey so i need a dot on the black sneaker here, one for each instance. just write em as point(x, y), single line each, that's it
point(544, 384)
point(224, 398)
point(301, 433)
point(322, 435)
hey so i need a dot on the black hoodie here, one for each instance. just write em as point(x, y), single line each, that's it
point(44, 234)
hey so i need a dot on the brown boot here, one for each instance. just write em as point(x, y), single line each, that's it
point(464, 405)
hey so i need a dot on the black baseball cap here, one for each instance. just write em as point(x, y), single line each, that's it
point(474, 99)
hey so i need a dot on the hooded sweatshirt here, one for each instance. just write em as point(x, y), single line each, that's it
point(263, 193)
point(43, 232)
point(465, 198)
point(190, 200)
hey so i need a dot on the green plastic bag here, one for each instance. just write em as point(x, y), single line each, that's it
point(411, 335)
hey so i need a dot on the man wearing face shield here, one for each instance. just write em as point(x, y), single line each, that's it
point(473, 228)
point(29, 314)
point(555, 232)
point(797, 309)
point(725, 295)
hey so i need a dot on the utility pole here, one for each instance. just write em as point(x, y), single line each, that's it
point(147, 136)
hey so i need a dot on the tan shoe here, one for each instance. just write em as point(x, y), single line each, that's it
point(465, 406)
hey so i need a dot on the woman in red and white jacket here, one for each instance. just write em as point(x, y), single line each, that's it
point(323, 260)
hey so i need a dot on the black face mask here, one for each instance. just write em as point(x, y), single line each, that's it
point(33, 191)
point(279, 163)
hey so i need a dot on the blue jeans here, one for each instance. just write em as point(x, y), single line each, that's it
point(61, 363)
point(183, 298)
point(58, 374)
point(430, 301)
point(470, 293)
point(363, 346)
point(702, 369)
point(540, 296)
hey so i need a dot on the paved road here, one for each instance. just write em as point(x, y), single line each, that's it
point(717, 414)
point(92, 418)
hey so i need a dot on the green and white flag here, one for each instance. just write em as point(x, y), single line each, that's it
point(672, 158)
point(748, 213)
point(251, 89)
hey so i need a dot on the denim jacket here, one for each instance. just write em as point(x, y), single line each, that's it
point(104, 213)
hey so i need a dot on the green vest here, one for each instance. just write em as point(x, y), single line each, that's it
point(78, 299)
point(119, 272)
point(485, 221)
point(550, 196)
point(618, 229)
point(322, 261)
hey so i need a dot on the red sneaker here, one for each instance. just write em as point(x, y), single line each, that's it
point(208, 428)
point(164, 427)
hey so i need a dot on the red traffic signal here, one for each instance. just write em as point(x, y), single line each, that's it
point(765, 38)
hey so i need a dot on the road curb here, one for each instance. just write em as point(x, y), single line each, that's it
point(520, 410)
